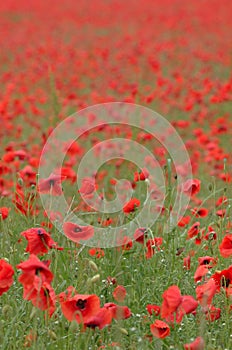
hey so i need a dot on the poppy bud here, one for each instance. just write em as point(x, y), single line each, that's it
point(52, 335)
point(123, 331)
point(7, 311)
point(93, 265)
point(20, 181)
point(95, 278)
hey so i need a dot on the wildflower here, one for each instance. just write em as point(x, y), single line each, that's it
point(77, 232)
point(6, 276)
point(131, 206)
point(39, 241)
point(119, 293)
point(160, 329)
point(226, 246)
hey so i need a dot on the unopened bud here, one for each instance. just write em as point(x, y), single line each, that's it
point(123, 331)
point(7, 310)
point(93, 265)
point(52, 335)
point(95, 278)
point(20, 181)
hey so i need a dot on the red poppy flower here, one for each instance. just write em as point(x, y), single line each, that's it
point(221, 200)
point(187, 262)
point(125, 243)
point(212, 313)
point(184, 221)
point(51, 185)
point(141, 175)
point(88, 187)
point(97, 252)
point(197, 344)
point(34, 272)
point(119, 293)
point(201, 271)
point(131, 206)
point(30, 338)
point(101, 319)
point(202, 212)
point(6, 279)
point(194, 230)
point(188, 306)
point(221, 213)
point(152, 245)
point(191, 187)
point(140, 235)
point(39, 241)
point(160, 329)
point(76, 232)
point(69, 174)
point(207, 260)
point(226, 246)
point(211, 234)
point(153, 309)
point(4, 212)
point(174, 302)
point(206, 292)
point(223, 278)
point(171, 300)
point(118, 312)
point(43, 296)
point(80, 307)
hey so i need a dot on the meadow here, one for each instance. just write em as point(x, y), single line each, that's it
point(115, 221)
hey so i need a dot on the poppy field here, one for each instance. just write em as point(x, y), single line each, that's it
point(115, 175)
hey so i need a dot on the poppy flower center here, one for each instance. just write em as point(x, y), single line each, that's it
point(77, 229)
point(225, 282)
point(81, 303)
point(37, 271)
point(39, 232)
point(206, 262)
point(46, 292)
point(51, 182)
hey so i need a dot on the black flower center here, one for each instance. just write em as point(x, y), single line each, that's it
point(77, 229)
point(46, 292)
point(81, 304)
point(37, 271)
point(225, 282)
